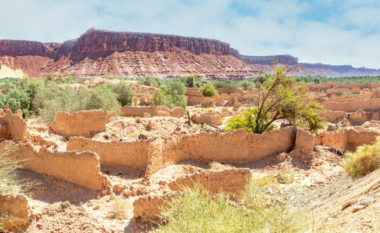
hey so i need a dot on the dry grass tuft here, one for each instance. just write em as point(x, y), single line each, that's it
point(219, 166)
point(134, 134)
point(209, 110)
point(195, 127)
point(119, 208)
point(364, 161)
point(197, 211)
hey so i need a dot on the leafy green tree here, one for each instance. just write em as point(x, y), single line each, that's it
point(171, 95)
point(280, 98)
point(222, 84)
point(17, 99)
point(246, 85)
point(208, 90)
point(124, 93)
point(148, 81)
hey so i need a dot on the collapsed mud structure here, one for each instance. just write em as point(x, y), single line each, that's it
point(146, 154)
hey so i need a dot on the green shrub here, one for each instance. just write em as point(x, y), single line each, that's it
point(196, 211)
point(219, 84)
point(246, 85)
point(149, 81)
point(188, 80)
point(171, 95)
point(124, 93)
point(349, 94)
point(364, 161)
point(17, 99)
point(208, 90)
point(50, 99)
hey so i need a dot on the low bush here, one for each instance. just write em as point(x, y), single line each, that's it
point(197, 211)
point(50, 99)
point(364, 161)
point(208, 90)
point(171, 95)
point(349, 94)
point(119, 208)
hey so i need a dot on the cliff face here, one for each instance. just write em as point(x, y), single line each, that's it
point(270, 60)
point(97, 53)
point(105, 41)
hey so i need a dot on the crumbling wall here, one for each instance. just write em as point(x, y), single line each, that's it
point(13, 126)
point(130, 154)
point(17, 207)
point(156, 153)
point(348, 139)
point(228, 90)
point(305, 142)
point(216, 181)
point(334, 116)
point(366, 105)
point(147, 208)
point(231, 181)
point(82, 123)
point(79, 168)
point(209, 117)
point(153, 111)
point(236, 147)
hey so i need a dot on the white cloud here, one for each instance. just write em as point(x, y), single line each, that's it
point(349, 36)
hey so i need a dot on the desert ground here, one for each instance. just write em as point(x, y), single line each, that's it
point(90, 167)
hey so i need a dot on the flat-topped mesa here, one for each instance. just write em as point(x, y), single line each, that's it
point(107, 41)
point(270, 60)
point(337, 68)
point(28, 48)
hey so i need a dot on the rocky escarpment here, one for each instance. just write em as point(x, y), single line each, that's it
point(99, 52)
point(106, 41)
point(326, 70)
point(270, 60)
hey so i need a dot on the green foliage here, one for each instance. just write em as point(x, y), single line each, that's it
point(171, 95)
point(124, 93)
point(188, 80)
point(224, 84)
point(17, 99)
point(50, 99)
point(364, 161)
point(247, 85)
point(349, 94)
point(197, 211)
point(247, 121)
point(149, 81)
point(208, 90)
point(342, 80)
point(281, 96)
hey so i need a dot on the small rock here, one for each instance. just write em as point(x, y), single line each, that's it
point(357, 208)
point(281, 157)
point(104, 192)
point(96, 207)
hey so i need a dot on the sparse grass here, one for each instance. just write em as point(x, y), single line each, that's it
point(274, 181)
point(134, 134)
point(137, 133)
point(9, 181)
point(218, 166)
point(209, 110)
point(119, 208)
point(364, 161)
point(195, 127)
point(196, 211)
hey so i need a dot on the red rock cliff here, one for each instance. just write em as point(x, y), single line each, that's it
point(269, 60)
point(106, 41)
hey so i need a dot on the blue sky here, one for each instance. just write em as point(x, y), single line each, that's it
point(339, 32)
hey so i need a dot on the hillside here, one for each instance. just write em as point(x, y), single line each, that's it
point(99, 52)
